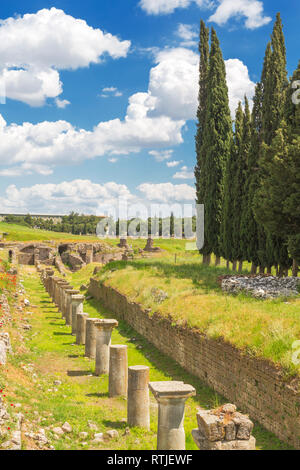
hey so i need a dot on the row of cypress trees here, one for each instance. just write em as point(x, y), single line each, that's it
point(248, 174)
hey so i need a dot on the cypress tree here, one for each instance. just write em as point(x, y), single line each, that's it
point(217, 136)
point(239, 238)
point(273, 249)
point(201, 112)
point(243, 143)
point(275, 83)
point(252, 235)
point(230, 216)
point(277, 199)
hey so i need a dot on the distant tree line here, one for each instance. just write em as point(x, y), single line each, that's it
point(86, 225)
point(73, 223)
point(248, 172)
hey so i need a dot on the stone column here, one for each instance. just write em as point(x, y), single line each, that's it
point(47, 276)
point(90, 337)
point(65, 294)
point(61, 292)
point(138, 403)
point(51, 286)
point(62, 286)
point(68, 315)
point(171, 398)
point(103, 340)
point(118, 371)
point(81, 327)
point(55, 287)
point(77, 307)
point(58, 283)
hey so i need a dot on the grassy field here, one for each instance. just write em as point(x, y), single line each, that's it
point(49, 354)
point(265, 328)
point(22, 233)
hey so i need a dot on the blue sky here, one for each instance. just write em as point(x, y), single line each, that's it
point(101, 95)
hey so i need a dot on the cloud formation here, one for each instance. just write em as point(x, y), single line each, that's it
point(252, 10)
point(35, 46)
point(184, 174)
point(154, 120)
point(162, 7)
point(167, 192)
point(85, 196)
point(188, 35)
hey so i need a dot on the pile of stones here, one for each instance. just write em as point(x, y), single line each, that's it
point(262, 287)
point(223, 429)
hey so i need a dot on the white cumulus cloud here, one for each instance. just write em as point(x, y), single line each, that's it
point(154, 120)
point(82, 196)
point(252, 10)
point(158, 7)
point(173, 163)
point(161, 155)
point(35, 46)
point(188, 34)
point(184, 174)
point(167, 192)
point(86, 196)
point(239, 83)
point(62, 104)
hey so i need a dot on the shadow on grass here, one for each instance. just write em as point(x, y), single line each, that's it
point(201, 275)
point(60, 333)
point(78, 373)
point(115, 424)
point(98, 395)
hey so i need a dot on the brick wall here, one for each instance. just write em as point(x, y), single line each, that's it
point(254, 385)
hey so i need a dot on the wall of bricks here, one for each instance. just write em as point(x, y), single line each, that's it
point(254, 385)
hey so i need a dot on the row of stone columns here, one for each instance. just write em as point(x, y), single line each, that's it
point(131, 382)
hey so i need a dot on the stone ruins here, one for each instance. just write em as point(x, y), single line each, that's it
point(72, 255)
point(262, 287)
point(221, 429)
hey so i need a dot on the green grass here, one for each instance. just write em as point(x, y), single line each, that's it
point(264, 328)
point(23, 233)
point(81, 396)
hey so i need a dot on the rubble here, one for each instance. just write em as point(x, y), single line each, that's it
point(262, 287)
point(223, 429)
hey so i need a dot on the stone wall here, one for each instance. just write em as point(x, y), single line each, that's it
point(255, 385)
point(26, 258)
point(105, 258)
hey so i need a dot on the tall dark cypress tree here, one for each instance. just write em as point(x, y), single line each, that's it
point(277, 199)
point(275, 84)
point(274, 81)
point(251, 233)
point(244, 226)
point(243, 144)
point(230, 217)
point(201, 112)
point(217, 137)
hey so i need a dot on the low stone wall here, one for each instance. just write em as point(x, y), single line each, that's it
point(255, 385)
point(26, 258)
point(105, 258)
